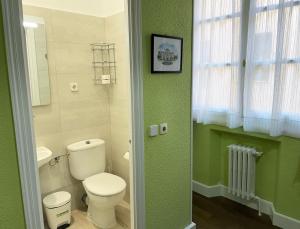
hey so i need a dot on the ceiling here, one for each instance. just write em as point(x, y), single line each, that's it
point(98, 8)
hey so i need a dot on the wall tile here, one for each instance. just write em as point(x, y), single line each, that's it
point(85, 30)
point(73, 58)
point(71, 116)
point(95, 111)
point(84, 114)
point(86, 86)
point(47, 119)
point(119, 98)
point(55, 177)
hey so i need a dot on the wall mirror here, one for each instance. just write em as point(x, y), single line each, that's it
point(36, 45)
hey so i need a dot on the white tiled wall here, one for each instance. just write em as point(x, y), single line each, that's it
point(71, 116)
point(95, 111)
point(116, 31)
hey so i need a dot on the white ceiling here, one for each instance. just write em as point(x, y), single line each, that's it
point(99, 8)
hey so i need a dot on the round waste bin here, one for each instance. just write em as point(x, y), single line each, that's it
point(58, 209)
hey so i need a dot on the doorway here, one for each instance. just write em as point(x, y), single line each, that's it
point(26, 143)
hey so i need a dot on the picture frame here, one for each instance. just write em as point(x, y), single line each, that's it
point(166, 54)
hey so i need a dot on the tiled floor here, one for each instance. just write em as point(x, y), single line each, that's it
point(80, 221)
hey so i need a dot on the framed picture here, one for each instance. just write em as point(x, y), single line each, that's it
point(166, 54)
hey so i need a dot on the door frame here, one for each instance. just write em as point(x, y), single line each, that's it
point(22, 112)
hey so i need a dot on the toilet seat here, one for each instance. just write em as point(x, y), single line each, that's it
point(104, 184)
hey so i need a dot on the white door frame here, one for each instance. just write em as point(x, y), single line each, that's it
point(22, 112)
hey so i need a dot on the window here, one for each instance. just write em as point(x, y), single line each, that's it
point(217, 62)
point(265, 95)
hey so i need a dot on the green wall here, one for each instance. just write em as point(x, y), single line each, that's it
point(11, 207)
point(167, 99)
point(278, 170)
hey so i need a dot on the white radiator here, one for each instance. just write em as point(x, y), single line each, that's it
point(241, 171)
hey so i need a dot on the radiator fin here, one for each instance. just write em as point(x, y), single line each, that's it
point(241, 171)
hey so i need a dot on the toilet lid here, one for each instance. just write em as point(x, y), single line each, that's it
point(104, 184)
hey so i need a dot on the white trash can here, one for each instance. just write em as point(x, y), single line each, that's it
point(58, 209)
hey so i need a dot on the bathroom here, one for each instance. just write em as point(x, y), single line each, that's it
point(79, 71)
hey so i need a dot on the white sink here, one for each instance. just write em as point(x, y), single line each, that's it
point(43, 155)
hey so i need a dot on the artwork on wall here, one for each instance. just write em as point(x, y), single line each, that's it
point(166, 54)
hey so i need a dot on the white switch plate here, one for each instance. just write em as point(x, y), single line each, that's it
point(163, 128)
point(153, 130)
point(74, 87)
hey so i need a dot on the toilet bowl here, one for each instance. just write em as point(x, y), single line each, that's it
point(104, 190)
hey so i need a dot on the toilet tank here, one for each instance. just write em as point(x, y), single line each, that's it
point(86, 158)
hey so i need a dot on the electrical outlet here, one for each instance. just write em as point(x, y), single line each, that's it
point(163, 128)
point(74, 87)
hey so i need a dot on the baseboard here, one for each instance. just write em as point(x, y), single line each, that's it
point(124, 204)
point(191, 226)
point(267, 207)
point(123, 214)
point(205, 190)
point(284, 221)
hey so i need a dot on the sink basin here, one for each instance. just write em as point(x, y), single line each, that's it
point(43, 155)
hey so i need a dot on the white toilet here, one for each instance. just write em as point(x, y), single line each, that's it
point(104, 190)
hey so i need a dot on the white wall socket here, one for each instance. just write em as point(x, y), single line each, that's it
point(153, 130)
point(74, 87)
point(163, 128)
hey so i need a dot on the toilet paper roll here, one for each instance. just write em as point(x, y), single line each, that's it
point(105, 81)
point(126, 156)
point(105, 77)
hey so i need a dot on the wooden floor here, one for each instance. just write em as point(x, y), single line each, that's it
point(221, 213)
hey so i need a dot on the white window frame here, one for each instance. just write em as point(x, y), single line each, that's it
point(244, 37)
point(244, 17)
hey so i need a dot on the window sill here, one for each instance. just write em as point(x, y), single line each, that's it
point(240, 131)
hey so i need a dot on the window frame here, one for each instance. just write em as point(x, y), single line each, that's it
point(244, 15)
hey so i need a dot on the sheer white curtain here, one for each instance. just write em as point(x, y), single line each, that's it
point(217, 62)
point(272, 80)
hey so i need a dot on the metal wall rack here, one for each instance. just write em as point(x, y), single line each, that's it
point(104, 62)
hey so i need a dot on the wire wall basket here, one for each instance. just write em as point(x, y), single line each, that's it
point(104, 63)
